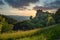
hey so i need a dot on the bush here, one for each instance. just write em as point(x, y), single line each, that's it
point(1, 27)
point(6, 28)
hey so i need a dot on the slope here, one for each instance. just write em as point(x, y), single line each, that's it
point(50, 33)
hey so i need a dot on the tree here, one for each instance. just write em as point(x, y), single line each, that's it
point(57, 16)
point(5, 26)
point(31, 17)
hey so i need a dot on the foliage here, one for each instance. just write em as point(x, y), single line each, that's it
point(42, 19)
point(45, 19)
point(17, 34)
point(50, 20)
point(8, 19)
point(31, 17)
point(25, 25)
point(4, 25)
point(57, 16)
point(1, 27)
point(50, 33)
point(6, 28)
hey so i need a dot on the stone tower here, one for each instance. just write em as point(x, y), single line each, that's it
point(39, 13)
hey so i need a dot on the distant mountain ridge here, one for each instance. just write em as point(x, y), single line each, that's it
point(7, 19)
point(12, 19)
point(19, 18)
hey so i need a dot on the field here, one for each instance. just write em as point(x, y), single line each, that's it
point(48, 33)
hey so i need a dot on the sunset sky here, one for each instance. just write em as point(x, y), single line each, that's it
point(27, 7)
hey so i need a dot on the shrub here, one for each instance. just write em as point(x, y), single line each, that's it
point(7, 28)
point(1, 27)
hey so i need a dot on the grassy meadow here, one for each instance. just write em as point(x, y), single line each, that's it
point(48, 33)
point(52, 33)
point(17, 34)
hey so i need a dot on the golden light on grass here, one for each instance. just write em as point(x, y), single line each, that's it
point(18, 34)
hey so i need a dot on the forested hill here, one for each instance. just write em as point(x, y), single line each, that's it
point(6, 23)
point(7, 19)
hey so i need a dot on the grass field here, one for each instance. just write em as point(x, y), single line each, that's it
point(17, 34)
point(48, 33)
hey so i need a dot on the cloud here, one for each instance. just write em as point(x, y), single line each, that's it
point(55, 4)
point(49, 9)
point(1, 3)
point(20, 3)
point(43, 8)
point(48, 5)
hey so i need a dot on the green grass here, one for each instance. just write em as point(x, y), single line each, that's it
point(48, 33)
point(17, 35)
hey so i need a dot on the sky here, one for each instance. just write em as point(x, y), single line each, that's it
point(27, 7)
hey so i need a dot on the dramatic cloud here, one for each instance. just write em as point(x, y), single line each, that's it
point(43, 8)
point(20, 3)
point(48, 5)
point(55, 4)
point(11, 7)
point(1, 3)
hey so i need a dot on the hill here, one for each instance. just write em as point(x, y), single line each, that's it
point(7, 19)
point(49, 33)
point(19, 18)
point(6, 23)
